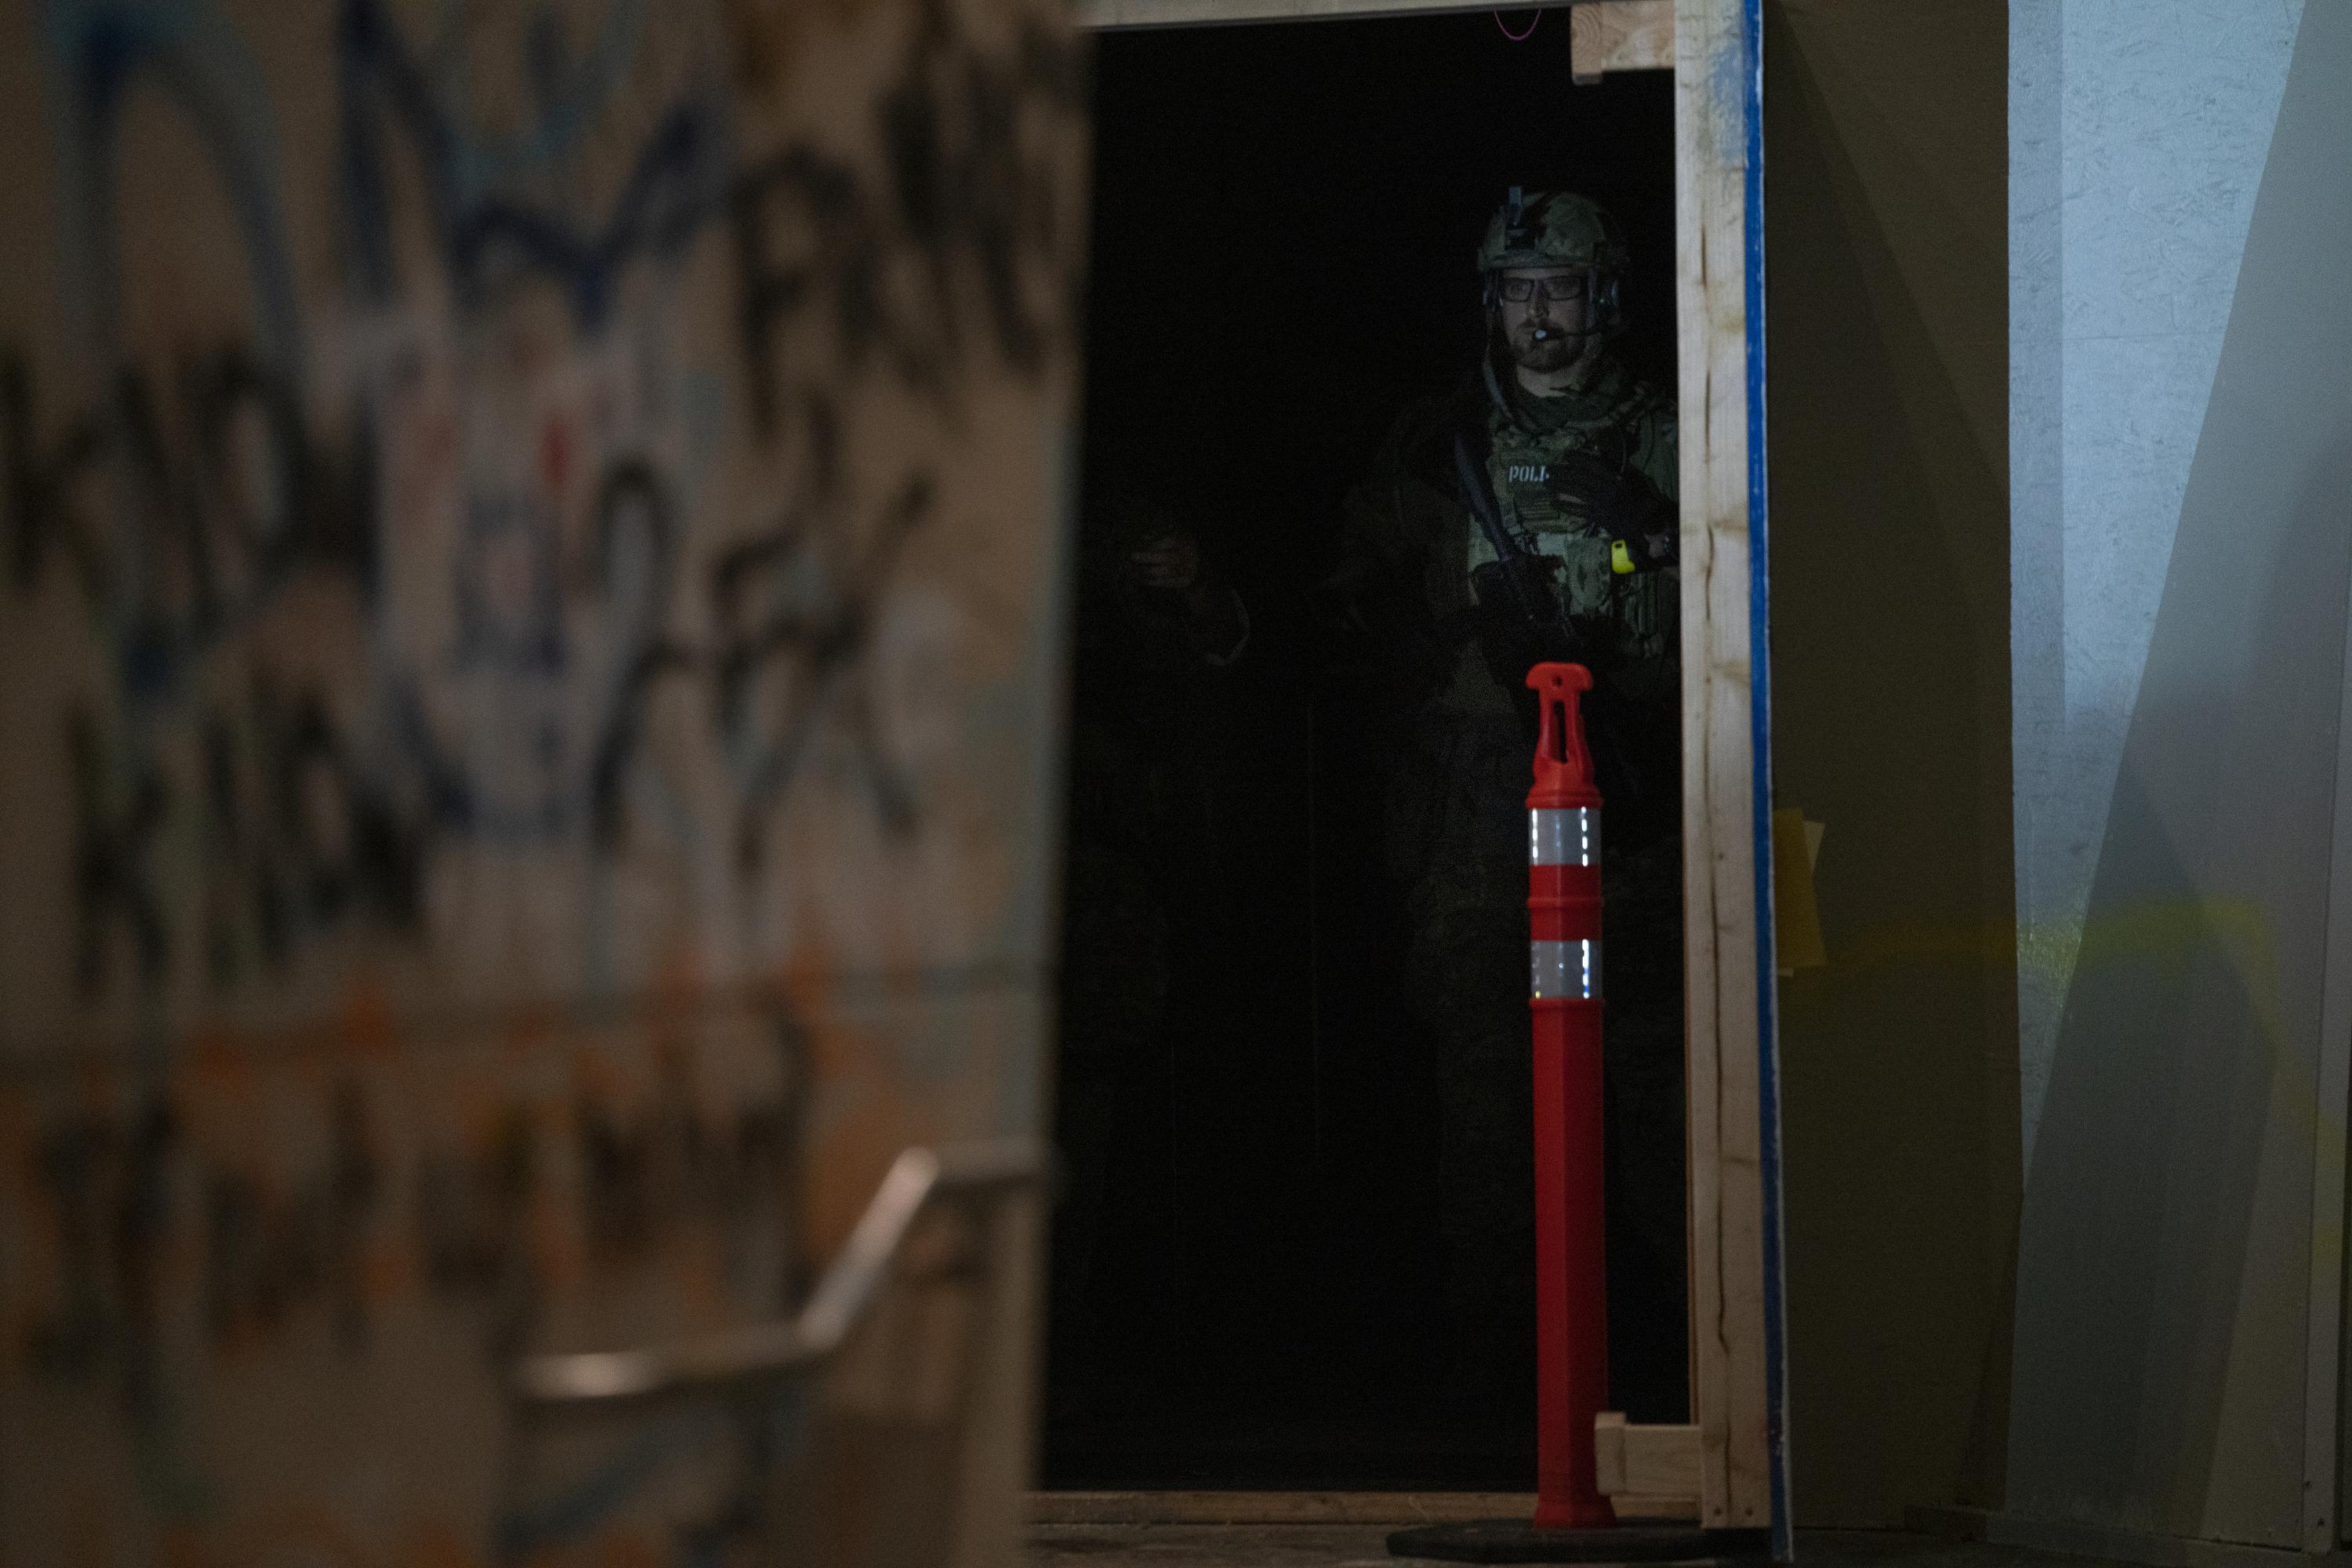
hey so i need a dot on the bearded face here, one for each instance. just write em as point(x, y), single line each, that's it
point(1543, 326)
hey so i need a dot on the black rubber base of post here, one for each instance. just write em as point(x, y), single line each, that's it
point(1516, 1541)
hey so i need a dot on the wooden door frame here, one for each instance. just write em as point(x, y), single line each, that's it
point(1736, 1442)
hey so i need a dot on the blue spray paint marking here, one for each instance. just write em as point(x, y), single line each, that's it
point(603, 1493)
point(571, 105)
point(678, 181)
point(1759, 658)
point(97, 50)
point(596, 1498)
point(675, 186)
point(488, 232)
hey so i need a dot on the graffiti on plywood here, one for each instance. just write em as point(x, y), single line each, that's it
point(527, 620)
point(566, 520)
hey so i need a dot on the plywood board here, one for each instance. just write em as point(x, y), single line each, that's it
point(1620, 35)
point(529, 632)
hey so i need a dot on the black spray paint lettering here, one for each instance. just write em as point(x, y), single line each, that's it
point(185, 498)
point(794, 624)
point(180, 519)
point(811, 644)
point(274, 1250)
point(270, 1254)
point(115, 833)
point(968, 197)
point(40, 488)
point(299, 839)
point(104, 1183)
point(669, 1166)
point(471, 1223)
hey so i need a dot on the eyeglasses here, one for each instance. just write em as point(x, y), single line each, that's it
point(1559, 288)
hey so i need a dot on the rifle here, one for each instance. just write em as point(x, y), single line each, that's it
point(1545, 630)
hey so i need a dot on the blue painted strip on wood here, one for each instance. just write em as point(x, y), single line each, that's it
point(1751, 24)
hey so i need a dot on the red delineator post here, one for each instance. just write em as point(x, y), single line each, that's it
point(1564, 962)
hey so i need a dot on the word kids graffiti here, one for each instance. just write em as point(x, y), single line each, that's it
point(528, 640)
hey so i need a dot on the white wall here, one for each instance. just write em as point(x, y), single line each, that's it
point(2137, 136)
point(2181, 554)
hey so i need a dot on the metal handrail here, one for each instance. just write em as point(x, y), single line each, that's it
point(839, 1302)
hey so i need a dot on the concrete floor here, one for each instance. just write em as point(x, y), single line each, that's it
point(1362, 1546)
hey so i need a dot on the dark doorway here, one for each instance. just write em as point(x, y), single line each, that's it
point(1249, 1262)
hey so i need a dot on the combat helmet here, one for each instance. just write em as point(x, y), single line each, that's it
point(1558, 228)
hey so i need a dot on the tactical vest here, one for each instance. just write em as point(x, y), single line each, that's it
point(1537, 480)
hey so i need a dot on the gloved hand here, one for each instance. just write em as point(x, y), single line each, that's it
point(1621, 503)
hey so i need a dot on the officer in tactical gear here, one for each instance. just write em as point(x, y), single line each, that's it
point(1530, 515)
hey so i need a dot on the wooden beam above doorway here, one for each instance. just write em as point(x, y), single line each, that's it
point(1620, 35)
point(1097, 15)
point(1608, 35)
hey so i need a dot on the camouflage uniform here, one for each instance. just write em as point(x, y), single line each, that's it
point(1585, 482)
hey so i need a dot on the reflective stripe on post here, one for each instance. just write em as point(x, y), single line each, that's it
point(1564, 998)
point(1565, 969)
point(1564, 836)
